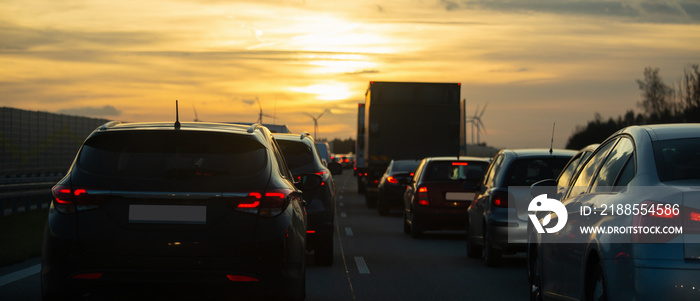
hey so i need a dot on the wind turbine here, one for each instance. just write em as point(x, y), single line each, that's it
point(260, 115)
point(477, 123)
point(196, 119)
point(316, 118)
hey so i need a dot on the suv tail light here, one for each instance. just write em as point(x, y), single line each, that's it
point(67, 200)
point(423, 196)
point(500, 199)
point(270, 203)
point(392, 180)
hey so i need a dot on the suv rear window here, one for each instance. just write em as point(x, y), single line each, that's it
point(172, 155)
point(299, 156)
point(454, 171)
point(677, 159)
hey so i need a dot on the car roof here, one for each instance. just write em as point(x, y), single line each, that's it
point(292, 137)
point(540, 152)
point(199, 126)
point(461, 158)
point(669, 131)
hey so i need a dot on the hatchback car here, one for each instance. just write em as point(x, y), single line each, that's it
point(632, 222)
point(498, 216)
point(393, 184)
point(156, 206)
point(436, 198)
point(303, 159)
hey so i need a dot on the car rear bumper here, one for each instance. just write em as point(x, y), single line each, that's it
point(508, 236)
point(62, 272)
point(441, 218)
point(320, 230)
point(652, 279)
point(392, 195)
point(275, 260)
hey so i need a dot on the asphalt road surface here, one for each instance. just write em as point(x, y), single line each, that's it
point(374, 260)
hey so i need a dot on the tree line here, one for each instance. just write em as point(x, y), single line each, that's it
point(660, 103)
point(341, 146)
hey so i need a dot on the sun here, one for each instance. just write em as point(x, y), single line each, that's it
point(332, 91)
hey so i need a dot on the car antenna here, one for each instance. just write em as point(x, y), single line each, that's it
point(551, 144)
point(177, 116)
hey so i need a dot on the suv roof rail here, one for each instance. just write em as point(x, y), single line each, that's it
point(109, 125)
point(304, 135)
point(253, 127)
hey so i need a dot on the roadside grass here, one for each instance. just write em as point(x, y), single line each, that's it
point(21, 236)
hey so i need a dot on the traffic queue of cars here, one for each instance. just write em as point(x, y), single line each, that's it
point(235, 208)
point(638, 194)
point(162, 206)
point(630, 217)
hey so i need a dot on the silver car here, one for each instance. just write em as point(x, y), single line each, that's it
point(632, 222)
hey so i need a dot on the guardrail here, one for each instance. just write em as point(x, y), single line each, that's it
point(24, 197)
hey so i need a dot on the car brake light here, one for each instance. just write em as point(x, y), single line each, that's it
point(500, 199)
point(423, 196)
point(252, 201)
point(694, 216)
point(241, 278)
point(665, 217)
point(460, 163)
point(88, 276)
point(392, 180)
point(270, 203)
point(67, 200)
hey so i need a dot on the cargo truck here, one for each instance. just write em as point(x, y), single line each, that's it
point(360, 149)
point(404, 121)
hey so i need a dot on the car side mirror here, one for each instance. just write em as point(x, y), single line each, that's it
point(335, 168)
point(548, 187)
point(309, 182)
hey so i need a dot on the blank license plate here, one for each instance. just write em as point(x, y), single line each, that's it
point(167, 214)
point(459, 196)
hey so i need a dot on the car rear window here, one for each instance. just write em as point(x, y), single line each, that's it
point(677, 159)
point(405, 166)
point(454, 171)
point(525, 172)
point(172, 155)
point(299, 156)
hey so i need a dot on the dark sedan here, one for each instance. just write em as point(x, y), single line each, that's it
point(436, 197)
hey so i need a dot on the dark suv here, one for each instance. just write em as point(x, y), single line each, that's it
point(157, 207)
point(303, 159)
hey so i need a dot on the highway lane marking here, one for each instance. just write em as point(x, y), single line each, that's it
point(343, 214)
point(345, 261)
point(348, 231)
point(19, 275)
point(361, 265)
point(341, 204)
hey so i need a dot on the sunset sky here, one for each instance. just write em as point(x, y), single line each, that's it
point(534, 62)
